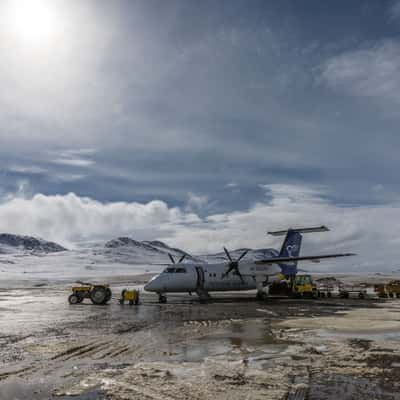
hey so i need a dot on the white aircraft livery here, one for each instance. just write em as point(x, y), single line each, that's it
point(203, 278)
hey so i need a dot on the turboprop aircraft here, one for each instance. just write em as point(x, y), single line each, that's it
point(235, 274)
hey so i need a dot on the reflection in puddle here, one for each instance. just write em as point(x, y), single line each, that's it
point(233, 341)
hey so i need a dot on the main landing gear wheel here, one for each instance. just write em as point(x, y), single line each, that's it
point(162, 299)
point(261, 296)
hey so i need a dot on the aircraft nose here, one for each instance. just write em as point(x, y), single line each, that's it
point(154, 285)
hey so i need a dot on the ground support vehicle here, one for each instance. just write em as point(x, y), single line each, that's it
point(297, 286)
point(391, 289)
point(352, 291)
point(327, 290)
point(130, 296)
point(99, 294)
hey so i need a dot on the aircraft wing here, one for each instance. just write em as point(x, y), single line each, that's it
point(281, 260)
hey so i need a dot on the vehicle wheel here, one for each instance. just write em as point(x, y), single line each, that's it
point(162, 299)
point(329, 294)
point(391, 295)
point(98, 295)
point(322, 294)
point(131, 302)
point(360, 295)
point(73, 299)
point(109, 294)
point(80, 299)
point(398, 295)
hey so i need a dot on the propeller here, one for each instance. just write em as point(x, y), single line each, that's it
point(171, 257)
point(234, 264)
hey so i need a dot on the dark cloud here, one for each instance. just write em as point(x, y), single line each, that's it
point(184, 97)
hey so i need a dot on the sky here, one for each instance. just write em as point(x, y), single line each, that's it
point(196, 121)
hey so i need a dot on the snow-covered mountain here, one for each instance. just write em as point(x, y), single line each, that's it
point(127, 250)
point(10, 243)
point(123, 256)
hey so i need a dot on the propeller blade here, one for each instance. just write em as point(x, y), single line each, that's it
point(171, 258)
point(242, 255)
point(228, 255)
point(182, 258)
point(240, 275)
point(231, 267)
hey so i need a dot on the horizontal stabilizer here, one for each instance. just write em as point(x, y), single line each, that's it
point(321, 228)
point(282, 260)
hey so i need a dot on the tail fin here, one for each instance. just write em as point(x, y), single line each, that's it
point(290, 248)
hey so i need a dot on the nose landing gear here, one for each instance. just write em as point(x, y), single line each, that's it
point(162, 298)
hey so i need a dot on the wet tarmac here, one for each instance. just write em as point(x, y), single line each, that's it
point(229, 348)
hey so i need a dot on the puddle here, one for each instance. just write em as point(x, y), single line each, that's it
point(233, 341)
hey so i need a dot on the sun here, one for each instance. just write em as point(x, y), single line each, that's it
point(33, 20)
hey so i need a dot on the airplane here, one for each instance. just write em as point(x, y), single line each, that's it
point(258, 274)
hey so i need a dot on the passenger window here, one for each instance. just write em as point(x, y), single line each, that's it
point(180, 270)
point(169, 270)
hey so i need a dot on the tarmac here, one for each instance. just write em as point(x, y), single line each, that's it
point(232, 347)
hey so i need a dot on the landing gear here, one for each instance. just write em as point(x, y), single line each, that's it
point(262, 289)
point(161, 298)
point(261, 295)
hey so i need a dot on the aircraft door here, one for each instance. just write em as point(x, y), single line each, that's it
point(200, 278)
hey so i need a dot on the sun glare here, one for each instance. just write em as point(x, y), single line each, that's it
point(33, 20)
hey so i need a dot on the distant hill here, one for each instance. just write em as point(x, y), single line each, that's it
point(125, 249)
point(10, 243)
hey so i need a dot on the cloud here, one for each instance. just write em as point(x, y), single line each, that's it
point(196, 202)
point(394, 11)
point(74, 158)
point(369, 231)
point(371, 72)
point(70, 217)
point(73, 162)
point(65, 177)
point(28, 170)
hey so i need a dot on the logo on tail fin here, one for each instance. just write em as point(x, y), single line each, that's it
point(292, 250)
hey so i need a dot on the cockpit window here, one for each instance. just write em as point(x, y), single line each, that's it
point(171, 270)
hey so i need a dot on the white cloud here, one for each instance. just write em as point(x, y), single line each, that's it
point(73, 162)
point(369, 231)
point(369, 72)
point(74, 158)
point(69, 217)
point(29, 169)
point(231, 185)
point(196, 202)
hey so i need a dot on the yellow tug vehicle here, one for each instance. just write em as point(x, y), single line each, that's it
point(129, 296)
point(297, 286)
point(99, 294)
